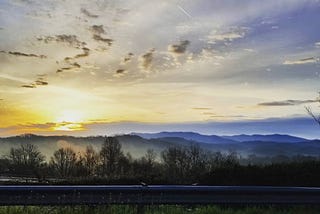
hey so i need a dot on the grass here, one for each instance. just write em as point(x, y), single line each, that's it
point(163, 209)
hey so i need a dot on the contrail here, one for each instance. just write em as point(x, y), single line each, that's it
point(184, 11)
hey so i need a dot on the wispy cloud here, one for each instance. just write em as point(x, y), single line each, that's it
point(287, 102)
point(97, 29)
point(146, 60)
point(17, 53)
point(179, 48)
point(71, 40)
point(88, 14)
point(301, 61)
point(32, 85)
point(40, 81)
point(102, 39)
point(228, 36)
point(120, 72)
point(128, 57)
point(201, 108)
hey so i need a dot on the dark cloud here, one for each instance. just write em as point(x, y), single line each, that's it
point(85, 53)
point(201, 108)
point(179, 48)
point(128, 57)
point(40, 81)
point(29, 86)
point(287, 102)
point(146, 59)
point(97, 29)
point(74, 65)
point(15, 53)
point(71, 40)
point(120, 71)
point(88, 14)
point(101, 39)
point(60, 70)
point(301, 61)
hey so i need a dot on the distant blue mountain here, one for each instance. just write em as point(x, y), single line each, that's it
point(224, 139)
point(267, 138)
point(213, 139)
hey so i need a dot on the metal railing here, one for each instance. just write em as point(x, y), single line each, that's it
point(155, 195)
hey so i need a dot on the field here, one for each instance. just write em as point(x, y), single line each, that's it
point(114, 209)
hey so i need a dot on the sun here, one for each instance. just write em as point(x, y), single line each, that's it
point(69, 120)
point(70, 116)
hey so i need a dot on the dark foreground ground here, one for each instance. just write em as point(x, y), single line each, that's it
point(125, 209)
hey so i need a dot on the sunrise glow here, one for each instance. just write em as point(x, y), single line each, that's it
point(118, 66)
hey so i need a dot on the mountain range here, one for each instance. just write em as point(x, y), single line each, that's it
point(138, 143)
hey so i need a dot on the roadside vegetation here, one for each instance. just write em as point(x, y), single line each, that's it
point(119, 209)
point(175, 165)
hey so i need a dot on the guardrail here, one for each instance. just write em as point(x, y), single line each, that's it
point(154, 195)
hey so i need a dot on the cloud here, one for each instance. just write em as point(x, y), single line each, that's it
point(128, 57)
point(29, 86)
point(201, 108)
point(101, 39)
point(72, 66)
point(97, 29)
point(227, 36)
point(71, 40)
point(120, 72)
point(287, 102)
point(16, 53)
point(85, 53)
point(38, 126)
point(88, 14)
point(146, 60)
point(317, 44)
point(40, 81)
point(179, 48)
point(301, 61)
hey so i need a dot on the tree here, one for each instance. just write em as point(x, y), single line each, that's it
point(89, 161)
point(311, 113)
point(197, 159)
point(110, 156)
point(145, 167)
point(26, 159)
point(27, 155)
point(64, 162)
point(175, 162)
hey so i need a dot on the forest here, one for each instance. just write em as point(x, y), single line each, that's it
point(190, 165)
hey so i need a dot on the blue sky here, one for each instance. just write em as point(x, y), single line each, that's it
point(77, 67)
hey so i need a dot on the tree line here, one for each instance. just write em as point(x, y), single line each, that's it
point(175, 165)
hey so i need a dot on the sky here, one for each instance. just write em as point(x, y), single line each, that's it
point(117, 66)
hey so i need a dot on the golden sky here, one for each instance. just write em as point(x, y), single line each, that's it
point(69, 65)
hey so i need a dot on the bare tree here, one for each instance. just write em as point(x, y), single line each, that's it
point(27, 160)
point(64, 162)
point(175, 162)
point(89, 161)
point(27, 155)
point(316, 117)
point(110, 156)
